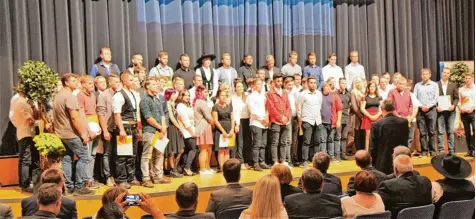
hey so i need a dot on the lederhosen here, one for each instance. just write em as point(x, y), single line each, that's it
point(208, 82)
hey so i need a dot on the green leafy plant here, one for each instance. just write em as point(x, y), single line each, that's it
point(47, 144)
point(37, 81)
point(457, 73)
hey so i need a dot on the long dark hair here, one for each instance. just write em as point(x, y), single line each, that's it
point(180, 98)
point(367, 91)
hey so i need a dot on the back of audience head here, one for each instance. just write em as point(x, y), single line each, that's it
point(52, 175)
point(111, 194)
point(312, 180)
point(49, 198)
point(231, 170)
point(266, 198)
point(321, 161)
point(363, 158)
point(283, 173)
point(365, 182)
point(402, 164)
point(401, 150)
point(110, 211)
point(186, 196)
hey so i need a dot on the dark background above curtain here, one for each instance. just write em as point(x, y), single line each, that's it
point(391, 35)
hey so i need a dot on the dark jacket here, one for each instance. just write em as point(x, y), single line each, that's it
point(287, 189)
point(40, 215)
point(392, 175)
point(380, 177)
point(231, 196)
point(275, 71)
point(385, 135)
point(451, 90)
point(190, 214)
point(406, 191)
point(313, 205)
point(68, 207)
point(332, 184)
point(454, 190)
point(246, 72)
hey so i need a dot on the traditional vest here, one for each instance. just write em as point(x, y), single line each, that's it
point(103, 71)
point(129, 113)
point(208, 82)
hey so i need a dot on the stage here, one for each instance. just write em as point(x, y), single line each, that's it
point(164, 194)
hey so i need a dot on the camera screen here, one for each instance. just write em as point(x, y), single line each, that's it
point(131, 199)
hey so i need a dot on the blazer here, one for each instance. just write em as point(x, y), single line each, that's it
point(189, 214)
point(275, 71)
point(5, 211)
point(452, 90)
point(386, 134)
point(380, 177)
point(232, 195)
point(68, 207)
point(332, 184)
point(392, 175)
point(40, 215)
point(312, 205)
point(287, 189)
point(408, 190)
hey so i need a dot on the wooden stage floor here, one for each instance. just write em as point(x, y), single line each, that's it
point(163, 194)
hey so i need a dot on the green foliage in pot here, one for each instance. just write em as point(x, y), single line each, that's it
point(47, 143)
point(38, 81)
point(457, 73)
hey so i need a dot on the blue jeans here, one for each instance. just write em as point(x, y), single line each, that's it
point(446, 121)
point(426, 124)
point(340, 140)
point(92, 146)
point(328, 135)
point(106, 156)
point(75, 146)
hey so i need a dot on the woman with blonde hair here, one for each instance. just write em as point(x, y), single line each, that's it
point(285, 177)
point(266, 200)
point(358, 91)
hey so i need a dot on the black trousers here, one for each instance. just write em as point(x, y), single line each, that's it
point(260, 137)
point(125, 165)
point(29, 161)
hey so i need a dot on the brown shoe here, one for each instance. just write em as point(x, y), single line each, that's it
point(148, 184)
point(162, 180)
point(134, 183)
point(125, 185)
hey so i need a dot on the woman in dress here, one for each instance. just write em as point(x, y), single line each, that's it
point(242, 123)
point(187, 118)
point(370, 108)
point(266, 200)
point(203, 128)
point(222, 114)
point(355, 99)
point(175, 148)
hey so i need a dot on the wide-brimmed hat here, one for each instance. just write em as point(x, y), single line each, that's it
point(451, 166)
point(211, 56)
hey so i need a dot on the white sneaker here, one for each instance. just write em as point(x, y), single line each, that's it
point(210, 171)
point(204, 172)
point(287, 164)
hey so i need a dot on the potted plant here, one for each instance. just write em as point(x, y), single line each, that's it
point(458, 70)
point(50, 148)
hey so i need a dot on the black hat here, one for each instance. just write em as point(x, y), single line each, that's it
point(211, 56)
point(451, 166)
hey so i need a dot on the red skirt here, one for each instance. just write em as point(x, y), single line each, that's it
point(367, 122)
point(206, 137)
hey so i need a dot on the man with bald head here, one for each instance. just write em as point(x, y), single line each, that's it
point(407, 190)
point(364, 161)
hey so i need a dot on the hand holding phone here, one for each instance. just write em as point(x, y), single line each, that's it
point(131, 199)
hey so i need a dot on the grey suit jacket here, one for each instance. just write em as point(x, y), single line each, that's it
point(231, 196)
point(5, 211)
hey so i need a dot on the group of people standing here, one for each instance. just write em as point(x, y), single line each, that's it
point(260, 116)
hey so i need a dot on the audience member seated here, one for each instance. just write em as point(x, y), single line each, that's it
point(187, 199)
point(407, 190)
point(234, 194)
point(266, 200)
point(110, 211)
point(332, 183)
point(312, 203)
point(111, 196)
point(365, 201)
point(364, 161)
point(454, 187)
point(398, 151)
point(68, 206)
point(285, 177)
point(6, 211)
point(49, 201)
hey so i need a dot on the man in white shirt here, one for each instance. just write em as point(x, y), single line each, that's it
point(386, 76)
point(384, 88)
point(353, 69)
point(291, 67)
point(259, 122)
point(466, 107)
point(162, 69)
point(332, 70)
point(209, 75)
point(309, 117)
point(292, 96)
point(197, 81)
point(446, 117)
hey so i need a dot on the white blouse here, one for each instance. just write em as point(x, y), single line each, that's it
point(186, 115)
point(240, 109)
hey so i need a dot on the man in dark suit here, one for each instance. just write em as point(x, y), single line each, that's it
point(401, 150)
point(234, 194)
point(68, 206)
point(270, 68)
point(385, 135)
point(364, 161)
point(49, 200)
point(312, 203)
point(187, 199)
point(332, 183)
point(407, 190)
point(446, 116)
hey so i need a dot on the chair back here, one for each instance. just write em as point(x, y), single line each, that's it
point(420, 212)
point(232, 213)
point(88, 217)
point(147, 216)
point(380, 215)
point(457, 209)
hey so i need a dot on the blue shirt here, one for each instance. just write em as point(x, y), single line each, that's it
point(316, 72)
point(95, 71)
point(427, 93)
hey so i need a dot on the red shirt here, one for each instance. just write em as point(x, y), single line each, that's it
point(336, 107)
point(278, 105)
point(87, 103)
point(403, 102)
